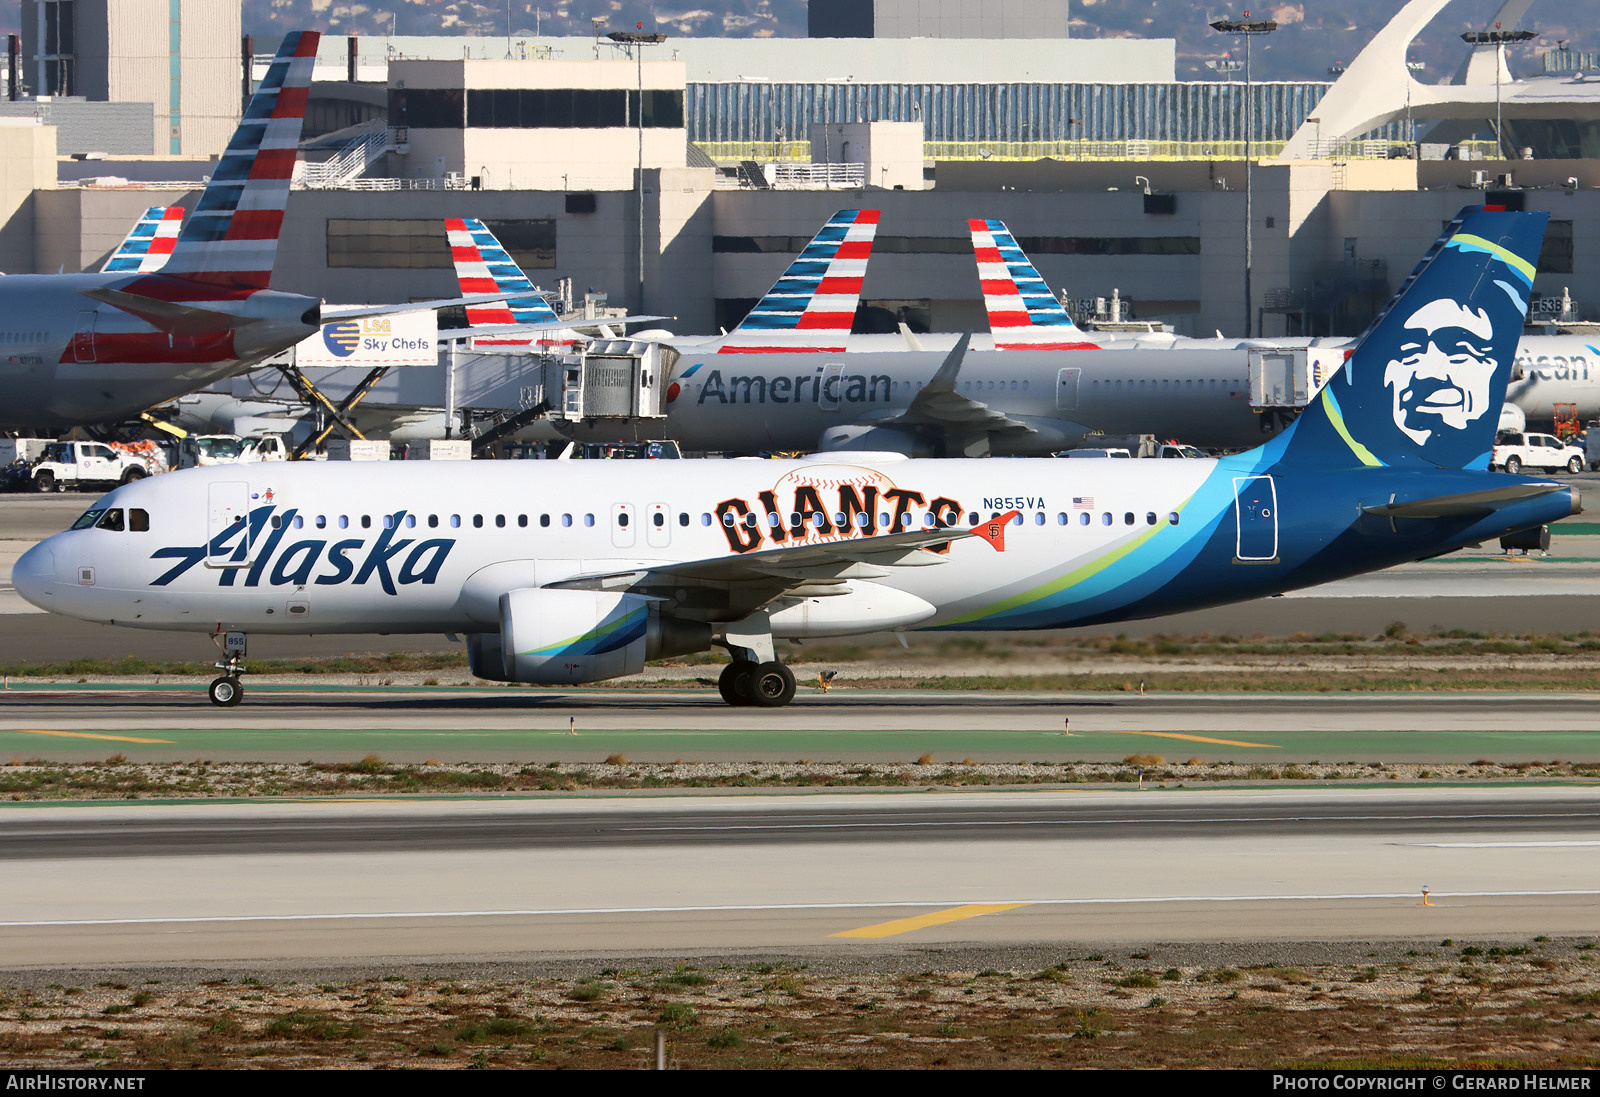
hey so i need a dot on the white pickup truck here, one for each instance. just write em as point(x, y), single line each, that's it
point(1516, 450)
point(95, 465)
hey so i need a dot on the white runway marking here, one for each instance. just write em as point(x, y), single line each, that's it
point(864, 905)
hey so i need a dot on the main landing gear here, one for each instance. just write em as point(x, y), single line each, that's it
point(755, 677)
point(228, 691)
point(763, 685)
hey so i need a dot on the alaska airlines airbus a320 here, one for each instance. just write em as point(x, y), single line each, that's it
point(561, 573)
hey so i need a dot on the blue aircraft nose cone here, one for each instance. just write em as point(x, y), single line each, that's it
point(34, 576)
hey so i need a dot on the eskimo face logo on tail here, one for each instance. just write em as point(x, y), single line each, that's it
point(1441, 377)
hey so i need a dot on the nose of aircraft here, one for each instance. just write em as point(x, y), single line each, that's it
point(34, 576)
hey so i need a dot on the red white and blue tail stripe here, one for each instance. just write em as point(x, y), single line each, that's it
point(231, 238)
point(1023, 313)
point(813, 305)
point(484, 266)
point(147, 247)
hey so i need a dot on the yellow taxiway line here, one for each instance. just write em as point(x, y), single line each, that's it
point(923, 921)
point(88, 735)
point(1196, 738)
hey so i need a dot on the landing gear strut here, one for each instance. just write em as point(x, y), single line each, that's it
point(755, 677)
point(228, 691)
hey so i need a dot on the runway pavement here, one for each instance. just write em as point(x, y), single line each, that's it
point(332, 724)
point(360, 882)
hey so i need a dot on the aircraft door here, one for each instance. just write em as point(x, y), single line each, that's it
point(658, 525)
point(623, 529)
point(1067, 390)
point(228, 535)
point(83, 338)
point(1256, 517)
point(832, 378)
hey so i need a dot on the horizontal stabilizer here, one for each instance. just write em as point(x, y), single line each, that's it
point(169, 316)
point(1467, 503)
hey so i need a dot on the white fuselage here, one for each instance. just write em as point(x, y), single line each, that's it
point(431, 547)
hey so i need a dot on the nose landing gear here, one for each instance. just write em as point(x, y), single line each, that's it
point(227, 690)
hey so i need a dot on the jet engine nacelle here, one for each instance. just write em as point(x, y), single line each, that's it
point(860, 436)
point(569, 637)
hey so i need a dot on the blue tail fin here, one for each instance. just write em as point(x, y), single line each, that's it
point(1425, 383)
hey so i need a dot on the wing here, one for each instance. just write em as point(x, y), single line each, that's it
point(730, 588)
point(939, 406)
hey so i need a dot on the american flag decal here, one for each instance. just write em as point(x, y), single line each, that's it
point(1083, 502)
point(484, 266)
point(813, 305)
point(1023, 313)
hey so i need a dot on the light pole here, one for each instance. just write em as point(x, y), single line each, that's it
point(1249, 28)
point(1498, 39)
point(636, 41)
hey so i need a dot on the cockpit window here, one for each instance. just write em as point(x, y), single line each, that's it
point(112, 519)
point(139, 520)
point(90, 517)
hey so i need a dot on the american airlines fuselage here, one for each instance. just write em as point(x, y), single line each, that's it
point(69, 360)
point(778, 402)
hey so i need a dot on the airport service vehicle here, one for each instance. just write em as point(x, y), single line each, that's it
point(1515, 451)
point(74, 465)
point(567, 572)
point(1089, 451)
point(201, 450)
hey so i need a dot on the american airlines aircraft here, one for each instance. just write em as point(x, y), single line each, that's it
point(561, 573)
point(91, 348)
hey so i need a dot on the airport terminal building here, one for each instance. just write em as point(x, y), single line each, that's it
point(678, 178)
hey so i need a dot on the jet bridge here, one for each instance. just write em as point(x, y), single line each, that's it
point(614, 391)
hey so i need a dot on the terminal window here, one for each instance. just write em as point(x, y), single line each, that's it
point(390, 244)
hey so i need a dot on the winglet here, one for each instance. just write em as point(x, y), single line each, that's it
point(994, 530)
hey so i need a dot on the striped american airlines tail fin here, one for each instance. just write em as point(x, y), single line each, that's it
point(484, 266)
point(231, 238)
point(1023, 313)
point(148, 244)
point(813, 305)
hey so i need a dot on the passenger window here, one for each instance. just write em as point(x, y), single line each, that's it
point(566, 519)
point(299, 522)
point(1061, 518)
point(139, 520)
point(683, 518)
point(659, 519)
point(433, 521)
point(1150, 519)
point(500, 521)
point(111, 520)
point(366, 521)
point(277, 521)
point(972, 518)
point(705, 519)
point(522, 521)
point(388, 521)
point(1017, 519)
point(544, 520)
point(1172, 519)
point(588, 519)
point(1038, 519)
point(1083, 519)
point(455, 521)
point(1105, 518)
point(1127, 519)
point(477, 521)
point(321, 522)
point(344, 521)
point(411, 521)
point(622, 519)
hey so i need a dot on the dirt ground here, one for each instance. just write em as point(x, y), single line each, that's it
point(1446, 1003)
